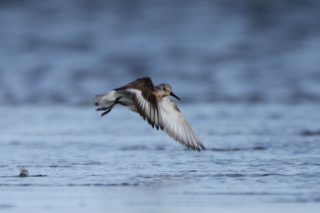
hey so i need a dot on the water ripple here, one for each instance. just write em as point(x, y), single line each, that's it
point(308, 133)
point(237, 149)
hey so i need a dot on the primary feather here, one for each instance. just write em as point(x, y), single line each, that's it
point(175, 125)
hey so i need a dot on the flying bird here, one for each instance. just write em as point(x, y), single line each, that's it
point(153, 103)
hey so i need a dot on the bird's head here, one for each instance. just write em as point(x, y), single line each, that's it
point(164, 90)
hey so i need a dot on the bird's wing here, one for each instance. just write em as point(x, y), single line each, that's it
point(145, 102)
point(143, 84)
point(176, 126)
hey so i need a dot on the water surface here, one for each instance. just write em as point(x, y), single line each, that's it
point(262, 157)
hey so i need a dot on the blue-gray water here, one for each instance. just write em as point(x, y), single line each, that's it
point(258, 156)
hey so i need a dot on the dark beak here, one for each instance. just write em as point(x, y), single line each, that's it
point(174, 95)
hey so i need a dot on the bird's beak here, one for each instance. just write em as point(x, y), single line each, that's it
point(174, 95)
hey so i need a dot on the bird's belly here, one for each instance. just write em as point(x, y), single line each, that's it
point(126, 101)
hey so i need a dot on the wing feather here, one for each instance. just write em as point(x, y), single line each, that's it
point(176, 126)
point(142, 84)
point(147, 106)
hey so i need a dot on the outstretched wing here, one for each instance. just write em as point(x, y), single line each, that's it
point(142, 84)
point(146, 105)
point(176, 126)
point(144, 100)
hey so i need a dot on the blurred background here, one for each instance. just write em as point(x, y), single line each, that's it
point(251, 51)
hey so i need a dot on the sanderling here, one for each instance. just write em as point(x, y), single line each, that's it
point(153, 103)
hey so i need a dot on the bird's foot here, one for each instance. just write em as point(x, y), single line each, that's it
point(102, 108)
point(107, 110)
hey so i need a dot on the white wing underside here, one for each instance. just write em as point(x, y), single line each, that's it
point(175, 125)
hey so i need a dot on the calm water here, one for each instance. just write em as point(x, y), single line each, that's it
point(258, 157)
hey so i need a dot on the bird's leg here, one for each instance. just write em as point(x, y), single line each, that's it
point(108, 109)
point(102, 108)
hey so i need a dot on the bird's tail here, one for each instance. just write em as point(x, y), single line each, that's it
point(106, 100)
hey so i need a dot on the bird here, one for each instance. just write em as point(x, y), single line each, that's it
point(153, 104)
point(23, 172)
